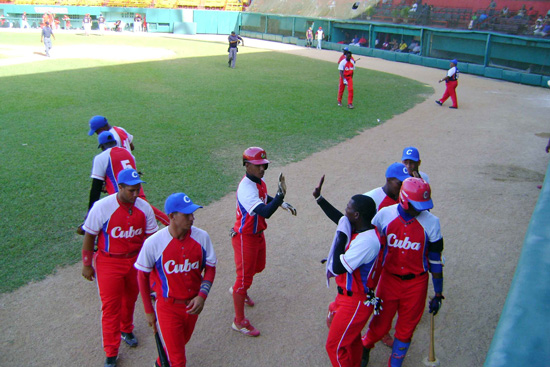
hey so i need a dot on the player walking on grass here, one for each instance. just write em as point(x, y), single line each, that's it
point(107, 166)
point(254, 206)
point(346, 68)
point(99, 124)
point(412, 246)
point(121, 222)
point(45, 38)
point(179, 264)
point(234, 41)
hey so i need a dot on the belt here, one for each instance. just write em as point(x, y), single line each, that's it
point(120, 256)
point(176, 301)
point(409, 276)
point(341, 291)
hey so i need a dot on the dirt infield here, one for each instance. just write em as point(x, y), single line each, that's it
point(484, 160)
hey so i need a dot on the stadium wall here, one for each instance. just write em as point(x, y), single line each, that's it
point(521, 336)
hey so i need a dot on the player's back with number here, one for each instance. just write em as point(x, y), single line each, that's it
point(109, 163)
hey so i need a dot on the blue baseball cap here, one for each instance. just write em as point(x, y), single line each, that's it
point(105, 137)
point(346, 49)
point(454, 61)
point(129, 176)
point(181, 203)
point(96, 122)
point(397, 170)
point(411, 153)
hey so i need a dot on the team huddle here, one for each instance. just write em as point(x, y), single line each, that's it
point(385, 243)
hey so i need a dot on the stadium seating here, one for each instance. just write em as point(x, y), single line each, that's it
point(234, 5)
point(214, 4)
point(188, 3)
point(169, 4)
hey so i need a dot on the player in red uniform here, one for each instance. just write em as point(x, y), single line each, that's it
point(351, 259)
point(106, 167)
point(346, 68)
point(343, 56)
point(121, 222)
point(451, 82)
point(254, 206)
point(99, 124)
point(412, 242)
point(173, 260)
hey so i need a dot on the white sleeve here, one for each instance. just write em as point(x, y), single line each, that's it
point(151, 225)
point(206, 244)
point(248, 196)
point(342, 65)
point(94, 221)
point(451, 71)
point(146, 258)
point(362, 250)
point(99, 167)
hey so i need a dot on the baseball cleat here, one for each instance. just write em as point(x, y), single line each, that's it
point(339, 104)
point(130, 339)
point(439, 103)
point(453, 107)
point(247, 301)
point(245, 328)
point(110, 361)
point(350, 106)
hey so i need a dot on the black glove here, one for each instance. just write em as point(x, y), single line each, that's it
point(435, 304)
point(373, 301)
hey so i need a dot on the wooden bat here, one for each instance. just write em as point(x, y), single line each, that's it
point(162, 353)
point(431, 360)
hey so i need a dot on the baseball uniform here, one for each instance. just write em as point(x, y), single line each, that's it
point(380, 198)
point(233, 49)
point(123, 138)
point(410, 246)
point(451, 82)
point(121, 229)
point(176, 267)
point(107, 166)
point(351, 312)
point(347, 67)
point(319, 35)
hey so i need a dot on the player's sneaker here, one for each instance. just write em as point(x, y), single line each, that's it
point(350, 106)
point(130, 339)
point(247, 301)
point(229, 63)
point(439, 102)
point(387, 340)
point(339, 104)
point(110, 361)
point(453, 107)
point(246, 328)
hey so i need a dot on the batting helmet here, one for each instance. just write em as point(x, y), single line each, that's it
point(255, 155)
point(416, 192)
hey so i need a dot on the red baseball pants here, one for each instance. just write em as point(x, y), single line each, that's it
point(341, 88)
point(407, 298)
point(450, 91)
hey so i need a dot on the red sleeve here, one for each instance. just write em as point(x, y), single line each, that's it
point(207, 280)
point(145, 291)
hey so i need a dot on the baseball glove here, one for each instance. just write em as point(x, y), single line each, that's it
point(289, 208)
point(282, 185)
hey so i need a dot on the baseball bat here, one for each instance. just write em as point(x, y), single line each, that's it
point(162, 353)
point(432, 361)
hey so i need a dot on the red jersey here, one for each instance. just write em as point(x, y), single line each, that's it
point(343, 57)
point(121, 229)
point(109, 163)
point(380, 198)
point(347, 67)
point(176, 265)
point(122, 137)
point(249, 195)
point(406, 239)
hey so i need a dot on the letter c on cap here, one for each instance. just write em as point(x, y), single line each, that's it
point(135, 174)
point(186, 199)
point(409, 152)
point(426, 195)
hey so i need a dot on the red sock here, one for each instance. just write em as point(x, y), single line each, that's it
point(238, 302)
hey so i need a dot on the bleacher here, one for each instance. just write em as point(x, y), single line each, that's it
point(232, 5)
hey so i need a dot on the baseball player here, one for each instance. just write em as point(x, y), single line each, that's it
point(451, 82)
point(87, 24)
point(98, 124)
point(107, 166)
point(319, 35)
point(351, 260)
point(24, 21)
point(254, 206)
point(412, 246)
point(121, 222)
point(234, 41)
point(343, 56)
point(309, 37)
point(180, 263)
point(45, 38)
point(411, 159)
point(346, 68)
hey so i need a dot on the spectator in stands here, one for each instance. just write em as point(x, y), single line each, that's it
point(492, 7)
point(545, 29)
point(355, 41)
point(414, 47)
point(521, 12)
point(505, 12)
point(363, 41)
point(402, 47)
point(24, 22)
point(394, 45)
point(548, 14)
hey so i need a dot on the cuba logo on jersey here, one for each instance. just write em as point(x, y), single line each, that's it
point(171, 267)
point(405, 244)
point(117, 232)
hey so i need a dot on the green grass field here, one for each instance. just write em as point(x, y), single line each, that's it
point(191, 116)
